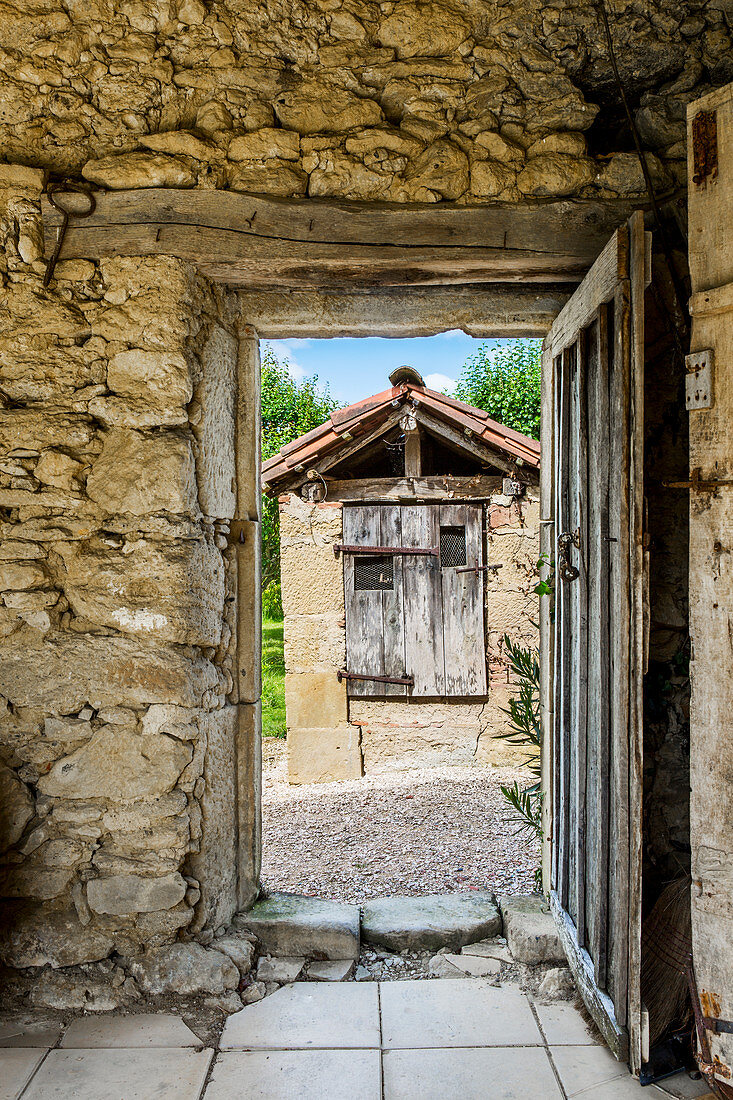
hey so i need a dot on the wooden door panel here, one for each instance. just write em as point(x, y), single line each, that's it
point(595, 349)
point(619, 623)
point(424, 651)
point(429, 622)
point(463, 607)
point(598, 717)
point(393, 620)
point(364, 620)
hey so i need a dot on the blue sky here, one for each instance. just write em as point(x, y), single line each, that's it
point(357, 368)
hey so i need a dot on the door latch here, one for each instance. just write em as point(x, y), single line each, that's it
point(567, 539)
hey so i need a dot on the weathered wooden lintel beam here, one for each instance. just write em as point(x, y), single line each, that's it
point(251, 241)
point(483, 311)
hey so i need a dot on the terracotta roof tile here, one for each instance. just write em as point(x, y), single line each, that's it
point(360, 417)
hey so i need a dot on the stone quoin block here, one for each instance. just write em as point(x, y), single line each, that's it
point(322, 755)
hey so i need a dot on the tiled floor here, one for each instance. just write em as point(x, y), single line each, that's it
point(418, 1040)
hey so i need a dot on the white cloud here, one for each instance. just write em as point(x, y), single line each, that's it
point(452, 333)
point(293, 342)
point(440, 382)
point(296, 370)
point(282, 349)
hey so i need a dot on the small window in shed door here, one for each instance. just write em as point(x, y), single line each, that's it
point(418, 616)
point(373, 573)
point(452, 546)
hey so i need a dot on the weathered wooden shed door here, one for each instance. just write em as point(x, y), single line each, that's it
point(415, 615)
point(593, 652)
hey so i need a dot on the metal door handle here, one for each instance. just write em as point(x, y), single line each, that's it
point(567, 539)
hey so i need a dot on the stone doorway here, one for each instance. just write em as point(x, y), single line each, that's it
point(198, 440)
point(429, 815)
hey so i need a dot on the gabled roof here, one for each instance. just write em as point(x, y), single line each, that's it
point(345, 425)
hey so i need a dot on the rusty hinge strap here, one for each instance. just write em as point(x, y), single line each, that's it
point(343, 548)
point(704, 147)
point(697, 483)
point(719, 1026)
point(342, 674)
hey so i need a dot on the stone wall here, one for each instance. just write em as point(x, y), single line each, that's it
point(333, 737)
point(321, 743)
point(399, 100)
point(116, 490)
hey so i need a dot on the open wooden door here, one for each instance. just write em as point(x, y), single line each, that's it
point(593, 645)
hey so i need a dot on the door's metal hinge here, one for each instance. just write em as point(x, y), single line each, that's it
point(698, 483)
point(343, 548)
point(699, 380)
point(478, 568)
point(704, 147)
point(342, 674)
point(720, 1027)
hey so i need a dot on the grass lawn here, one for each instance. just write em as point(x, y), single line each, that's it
point(273, 680)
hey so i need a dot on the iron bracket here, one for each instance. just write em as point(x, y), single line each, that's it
point(697, 483)
point(343, 548)
point(236, 534)
point(342, 674)
point(720, 1027)
point(567, 539)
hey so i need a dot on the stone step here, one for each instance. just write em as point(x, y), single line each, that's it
point(294, 925)
point(530, 930)
point(431, 922)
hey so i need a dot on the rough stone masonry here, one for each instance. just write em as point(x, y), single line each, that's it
point(404, 101)
point(116, 491)
point(116, 382)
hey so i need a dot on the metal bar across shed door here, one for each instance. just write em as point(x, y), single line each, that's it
point(341, 548)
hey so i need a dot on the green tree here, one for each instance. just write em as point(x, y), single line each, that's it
point(504, 381)
point(289, 409)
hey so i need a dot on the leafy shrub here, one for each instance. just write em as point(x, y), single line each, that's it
point(525, 729)
point(504, 381)
point(272, 604)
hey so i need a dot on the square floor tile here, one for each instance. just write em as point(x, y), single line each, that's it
point(681, 1087)
point(296, 1075)
point(487, 1073)
point(16, 1069)
point(307, 1014)
point(121, 1075)
point(563, 1025)
point(146, 1029)
point(592, 1071)
point(455, 1013)
point(28, 1031)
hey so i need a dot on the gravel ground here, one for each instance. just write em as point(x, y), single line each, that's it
point(426, 831)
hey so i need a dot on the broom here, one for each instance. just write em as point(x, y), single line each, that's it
point(666, 951)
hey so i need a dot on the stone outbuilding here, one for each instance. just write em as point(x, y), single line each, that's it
point(409, 544)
